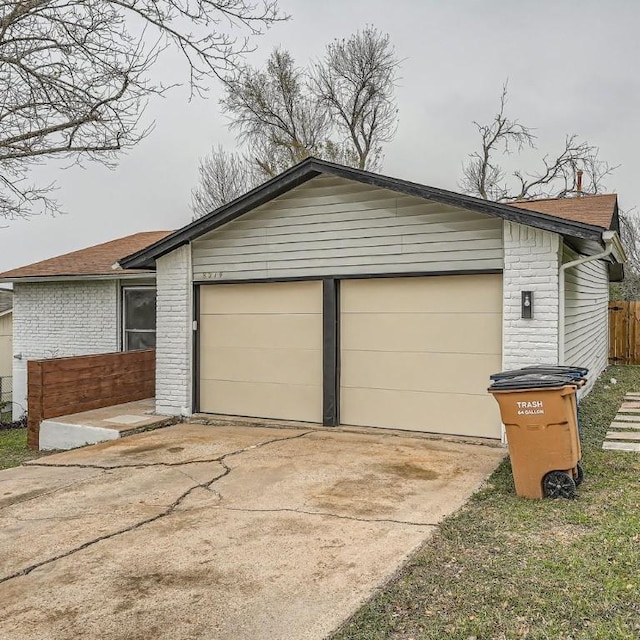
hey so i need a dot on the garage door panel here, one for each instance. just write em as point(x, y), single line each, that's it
point(423, 295)
point(273, 297)
point(268, 400)
point(296, 331)
point(455, 414)
point(282, 366)
point(261, 350)
point(439, 332)
point(416, 353)
point(436, 372)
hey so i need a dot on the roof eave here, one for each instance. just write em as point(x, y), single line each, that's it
point(311, 168)
point(117, 275)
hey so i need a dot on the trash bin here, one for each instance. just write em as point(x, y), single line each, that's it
point(539, 411)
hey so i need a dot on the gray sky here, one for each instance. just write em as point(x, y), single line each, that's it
point(572, 67)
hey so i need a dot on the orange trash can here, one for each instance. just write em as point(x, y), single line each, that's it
point(542, 433)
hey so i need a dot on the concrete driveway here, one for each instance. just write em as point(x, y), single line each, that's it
point(211, 532)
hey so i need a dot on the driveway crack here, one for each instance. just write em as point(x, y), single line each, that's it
point(145, 465)
point(163, 514)
point(328, 514)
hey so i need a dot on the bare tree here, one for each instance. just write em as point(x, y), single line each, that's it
point(629, 288)
point(356, 81)
point(275, 114)
point(224, 176)
point(75, 75)
point(341, 108)
point(484, 177)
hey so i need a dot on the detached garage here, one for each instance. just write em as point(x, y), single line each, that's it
point(336, 296)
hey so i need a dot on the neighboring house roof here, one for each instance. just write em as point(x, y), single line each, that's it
point(6, 301)
point(588, 234)
point(97, 260)
point(600, 210)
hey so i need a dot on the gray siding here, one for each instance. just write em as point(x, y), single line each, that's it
point(332, 226)
point(586, 315)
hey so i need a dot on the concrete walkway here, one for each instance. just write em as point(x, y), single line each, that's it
point(624, 433)
point(205, 532)
point(99, 425)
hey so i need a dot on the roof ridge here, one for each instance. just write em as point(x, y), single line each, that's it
point(584, 196)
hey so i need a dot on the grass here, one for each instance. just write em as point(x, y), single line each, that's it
point(506, 568)
point(13, 448)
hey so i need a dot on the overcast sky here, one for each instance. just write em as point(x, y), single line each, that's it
point(572, 67)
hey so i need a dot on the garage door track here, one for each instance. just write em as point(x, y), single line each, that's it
point(206, 532)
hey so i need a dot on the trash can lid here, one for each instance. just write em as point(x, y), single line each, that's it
point(573, 372)
point(559, 368)
point(532, 381)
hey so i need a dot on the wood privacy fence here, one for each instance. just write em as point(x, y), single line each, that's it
point(61, 386)
point(624, 332)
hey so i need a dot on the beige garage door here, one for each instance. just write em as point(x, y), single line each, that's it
point(261, 350)
point(417, 353)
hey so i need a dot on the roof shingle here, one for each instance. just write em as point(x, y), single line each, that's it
point(598, 210)
point(92, 261)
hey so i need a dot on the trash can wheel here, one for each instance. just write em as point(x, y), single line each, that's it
point(559, 484)
point(579, 475)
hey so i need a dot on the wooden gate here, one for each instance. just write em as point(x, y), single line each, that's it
point(624, 332)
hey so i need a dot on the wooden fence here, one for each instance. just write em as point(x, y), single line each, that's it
point(62, 386)
point(624, 332)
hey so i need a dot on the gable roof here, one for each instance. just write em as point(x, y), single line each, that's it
point(97, 260)
point(313, 167)
point(600, 210)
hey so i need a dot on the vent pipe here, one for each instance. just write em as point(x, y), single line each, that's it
point(579, 183)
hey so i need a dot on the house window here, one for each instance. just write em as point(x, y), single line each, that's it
point(138, 318)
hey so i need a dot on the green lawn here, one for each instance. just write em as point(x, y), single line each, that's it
point(13, 448)
point(505, 567)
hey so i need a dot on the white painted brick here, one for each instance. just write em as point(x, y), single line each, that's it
point(60, 319)
point(531, 263)
point(174, 332)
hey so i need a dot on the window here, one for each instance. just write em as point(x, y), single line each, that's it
point(138, 318)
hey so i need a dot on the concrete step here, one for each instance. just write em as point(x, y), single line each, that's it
point(623, 435)
point(609, 445)
point(61, 435)
point(623, 418)
point(625, 425)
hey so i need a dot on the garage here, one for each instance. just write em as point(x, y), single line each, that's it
point(337, 296)
point(412, 349)
point(416, 353)
point(261, 350)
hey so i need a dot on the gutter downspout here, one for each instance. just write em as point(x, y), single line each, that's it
point(611, 246)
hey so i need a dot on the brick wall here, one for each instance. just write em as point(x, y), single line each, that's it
point(62, 319)
point(531, 263)
point(173, 332)
point(63, 386)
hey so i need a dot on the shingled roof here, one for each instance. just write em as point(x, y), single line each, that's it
point(97, 260)
point(598, 210)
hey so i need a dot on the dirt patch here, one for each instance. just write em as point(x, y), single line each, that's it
point(198, 579)
point(175, 449)
point(368, 495)
point(14, 498)
point(409, 471)
point(145, 449)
